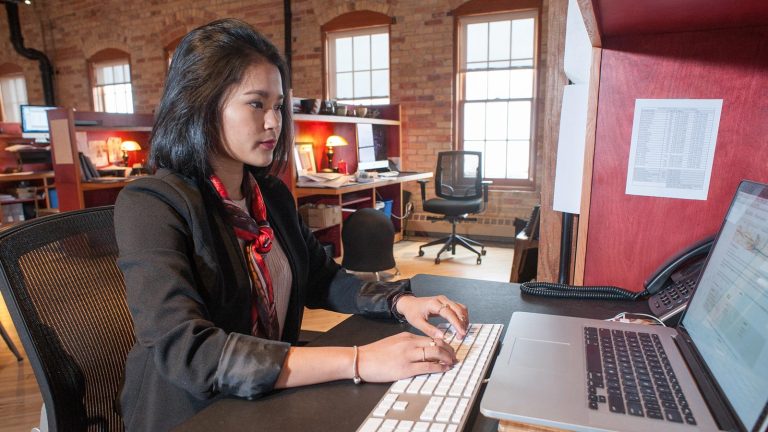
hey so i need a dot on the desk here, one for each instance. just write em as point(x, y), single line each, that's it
point(357, 195)
point(44, 177)
point(304, 191)
point(342, 406)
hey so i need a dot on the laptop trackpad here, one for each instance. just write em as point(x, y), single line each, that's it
point(537, 354)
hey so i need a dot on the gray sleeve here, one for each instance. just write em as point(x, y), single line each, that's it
point(249, 366)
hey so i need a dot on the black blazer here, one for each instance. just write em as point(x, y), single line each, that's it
point(189, 295)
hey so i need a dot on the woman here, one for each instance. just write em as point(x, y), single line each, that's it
point(218, 267)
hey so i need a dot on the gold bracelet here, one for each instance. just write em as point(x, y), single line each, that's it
point(355, 373)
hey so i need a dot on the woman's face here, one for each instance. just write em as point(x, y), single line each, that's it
point(251, 119)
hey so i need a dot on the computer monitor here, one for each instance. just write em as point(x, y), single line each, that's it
point(34, 122)
point(371, 153)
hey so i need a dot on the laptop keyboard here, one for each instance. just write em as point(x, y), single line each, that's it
point(629, 373)
point(438, 402)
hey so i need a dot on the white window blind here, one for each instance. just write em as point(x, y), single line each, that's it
point(112, 90)
point(13, 91)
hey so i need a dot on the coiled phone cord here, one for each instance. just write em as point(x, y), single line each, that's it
point(550, 289)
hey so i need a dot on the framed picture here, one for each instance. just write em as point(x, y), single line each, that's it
point(304, 157)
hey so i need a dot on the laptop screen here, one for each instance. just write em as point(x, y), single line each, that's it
point(727, 318)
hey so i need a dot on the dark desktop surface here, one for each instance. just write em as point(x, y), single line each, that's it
point(343, 406)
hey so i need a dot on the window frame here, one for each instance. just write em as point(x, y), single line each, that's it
point(106, 58)
point(330, 37)
point(479, 16)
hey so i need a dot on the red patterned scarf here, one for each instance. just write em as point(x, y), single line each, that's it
point(258, 235)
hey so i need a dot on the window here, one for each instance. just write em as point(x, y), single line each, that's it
point(497, 76)
point(111, 82)
point(13, 93)
point(358, 65)
point(169, 50)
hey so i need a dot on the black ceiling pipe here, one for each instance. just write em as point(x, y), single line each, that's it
point(46, 69)
point(287, 17)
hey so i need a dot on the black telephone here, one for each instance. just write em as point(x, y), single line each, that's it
point(670, 287)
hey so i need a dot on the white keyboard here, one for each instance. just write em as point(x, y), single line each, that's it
point(438, 402)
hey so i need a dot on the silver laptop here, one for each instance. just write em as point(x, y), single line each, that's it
point(710, 373)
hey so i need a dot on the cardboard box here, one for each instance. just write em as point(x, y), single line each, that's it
point(320, 217)
point(25, 192)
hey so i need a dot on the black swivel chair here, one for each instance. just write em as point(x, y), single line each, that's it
point(368, 237)
point(461, 191)
point(66, 295)
point(525, 259)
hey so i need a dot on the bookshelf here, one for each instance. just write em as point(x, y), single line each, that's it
point(67, 128)
point(315, 129)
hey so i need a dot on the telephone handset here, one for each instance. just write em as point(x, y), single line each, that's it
point(671, 286)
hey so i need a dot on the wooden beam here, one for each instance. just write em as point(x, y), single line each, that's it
point(551, 224)
point(589, 157)
point(590, 21)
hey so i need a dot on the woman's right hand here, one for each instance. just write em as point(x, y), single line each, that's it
point(404, 355)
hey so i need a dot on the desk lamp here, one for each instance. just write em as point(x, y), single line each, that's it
point(126, 147)
point(330, 143)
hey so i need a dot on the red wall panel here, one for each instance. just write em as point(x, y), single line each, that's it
point(629, 236)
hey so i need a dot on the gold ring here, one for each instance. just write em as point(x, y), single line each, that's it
point(423, 354)
point(432, 343)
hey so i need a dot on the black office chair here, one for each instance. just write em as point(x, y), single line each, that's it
point(66, 296)
point(9, 342)
point(525, 259)
point(368, 237)
point(461, 191)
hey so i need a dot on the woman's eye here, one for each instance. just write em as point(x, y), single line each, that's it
point(257, 104)
point(279, 107)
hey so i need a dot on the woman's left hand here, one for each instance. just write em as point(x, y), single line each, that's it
point(418, 309)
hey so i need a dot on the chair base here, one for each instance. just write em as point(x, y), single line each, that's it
point(9, 342)
point(450, 242)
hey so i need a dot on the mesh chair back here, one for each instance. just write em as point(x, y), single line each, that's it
point(459, 175)
point(66, 295)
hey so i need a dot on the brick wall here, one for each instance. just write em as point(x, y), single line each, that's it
point(421, 42)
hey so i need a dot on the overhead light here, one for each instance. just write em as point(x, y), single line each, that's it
point(29, 2)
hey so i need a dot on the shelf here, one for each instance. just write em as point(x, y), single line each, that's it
point(113, 128)
point(20, 200)
point(356, 201)
point(88, 186)
point(343, 119)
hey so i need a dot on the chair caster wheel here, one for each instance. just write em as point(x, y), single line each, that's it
point(483, 252)
point(437, 260)
point(479, 260)
point(421, 253)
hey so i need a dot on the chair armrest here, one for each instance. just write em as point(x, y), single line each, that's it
point(423, 185)
point(486, 184)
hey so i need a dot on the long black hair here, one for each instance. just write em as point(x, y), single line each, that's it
point(208, 61)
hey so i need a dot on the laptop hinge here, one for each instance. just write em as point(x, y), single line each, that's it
point(721, 410)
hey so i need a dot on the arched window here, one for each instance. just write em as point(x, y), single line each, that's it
point(169, 50)
point(357, 58)
point(111, 81)
point(13, 92)
point(496, 77)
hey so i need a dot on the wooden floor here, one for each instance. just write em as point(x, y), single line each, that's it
point(20, 399)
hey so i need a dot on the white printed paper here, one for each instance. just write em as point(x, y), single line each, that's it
point(569, 171)
point(673, 147)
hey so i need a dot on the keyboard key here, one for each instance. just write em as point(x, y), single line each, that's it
point(673, 416)
point(370, 425)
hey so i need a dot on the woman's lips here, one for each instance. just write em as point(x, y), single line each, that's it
point(268, 144)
